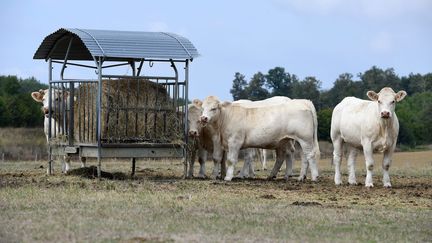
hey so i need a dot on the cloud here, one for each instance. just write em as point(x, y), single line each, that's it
point(361, 8)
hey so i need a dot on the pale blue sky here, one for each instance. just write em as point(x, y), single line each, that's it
point(321, 38)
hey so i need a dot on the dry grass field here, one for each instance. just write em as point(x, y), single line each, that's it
point(158, 206)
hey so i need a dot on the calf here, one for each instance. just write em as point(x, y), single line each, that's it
point(369, 125)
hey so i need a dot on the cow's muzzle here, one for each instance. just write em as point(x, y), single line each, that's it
point(193, 133)
point(385, 114)
point(204, 119)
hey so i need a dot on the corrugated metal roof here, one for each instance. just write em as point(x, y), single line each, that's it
point(115, 45)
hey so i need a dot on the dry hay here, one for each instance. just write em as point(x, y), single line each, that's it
point(132, 111)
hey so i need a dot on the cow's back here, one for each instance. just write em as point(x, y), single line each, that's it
point(266, 125)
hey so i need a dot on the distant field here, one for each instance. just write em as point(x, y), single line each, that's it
point(158, 206)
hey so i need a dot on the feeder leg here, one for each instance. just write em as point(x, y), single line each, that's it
point(99, 168)
point(133, 166)
point(50, 164)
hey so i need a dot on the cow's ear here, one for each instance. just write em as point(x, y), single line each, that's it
point(372, 95)
point(37, 96)
point(225, 104)
point(197, 102)
point(400, 95)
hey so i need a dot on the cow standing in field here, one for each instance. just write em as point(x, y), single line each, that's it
point(270, 126)
point(368, 125)
point(59, 98)
point(202, 143)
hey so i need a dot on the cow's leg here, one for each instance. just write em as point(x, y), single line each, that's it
point(288, 164)
point(65, 163)
point(202, 158)
point(244, 172)
point(280, 156)
point(217, 159)
point(223, 168)
point(83, 161)
point(191, 161)
point(368, 154)
point(337, 157)
point(386, 166)
point(309, 153)
point(232, 157)
point(351, 165)
point(304, 168)
point(251, 167)
point(247, 169)
point(216, 169)
point(264, 159)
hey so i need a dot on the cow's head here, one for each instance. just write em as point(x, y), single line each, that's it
point(386, 100)
point(211, 109)
point(58, 97)
point(194, 123)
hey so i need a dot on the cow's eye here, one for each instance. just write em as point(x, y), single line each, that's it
point(213, 109)
point(379, 101)
point(393, 102)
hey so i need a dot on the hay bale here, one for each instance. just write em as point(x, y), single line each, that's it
point(132, 111)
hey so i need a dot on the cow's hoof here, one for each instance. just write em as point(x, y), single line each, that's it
point(271, 178)
point(387, 185)
point(228, 178)
point(301, 178)
point(213, 177)
point(352, 182)
point(201, 176)
point(369, 184)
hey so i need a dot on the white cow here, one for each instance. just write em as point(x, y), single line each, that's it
point(58, 99)
point(271, 125)
point(201, 143)
point(368, 125)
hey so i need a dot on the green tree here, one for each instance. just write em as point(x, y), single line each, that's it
point(9, 85)
point(238, 88)
point(17, 108)
point(30, 85)
point(324, 124)
point(375, 79)
point(255, 90)
point(344, 86)
point(309, 88)
point(415, 117)
point(280, 82)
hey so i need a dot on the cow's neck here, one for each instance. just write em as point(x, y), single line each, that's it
point(385, 125)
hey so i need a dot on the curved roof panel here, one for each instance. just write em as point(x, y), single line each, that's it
point(115, 45)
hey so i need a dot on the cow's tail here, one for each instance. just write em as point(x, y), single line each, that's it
point(315, 124)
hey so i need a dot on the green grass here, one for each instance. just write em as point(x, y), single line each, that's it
point(159, 206)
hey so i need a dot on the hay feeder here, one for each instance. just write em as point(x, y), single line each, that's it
point(134, 103)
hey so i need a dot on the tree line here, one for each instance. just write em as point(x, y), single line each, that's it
point(17, 108)
point(414, 112)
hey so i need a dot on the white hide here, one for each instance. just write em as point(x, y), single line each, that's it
point(271, 125)
point(370, 125)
